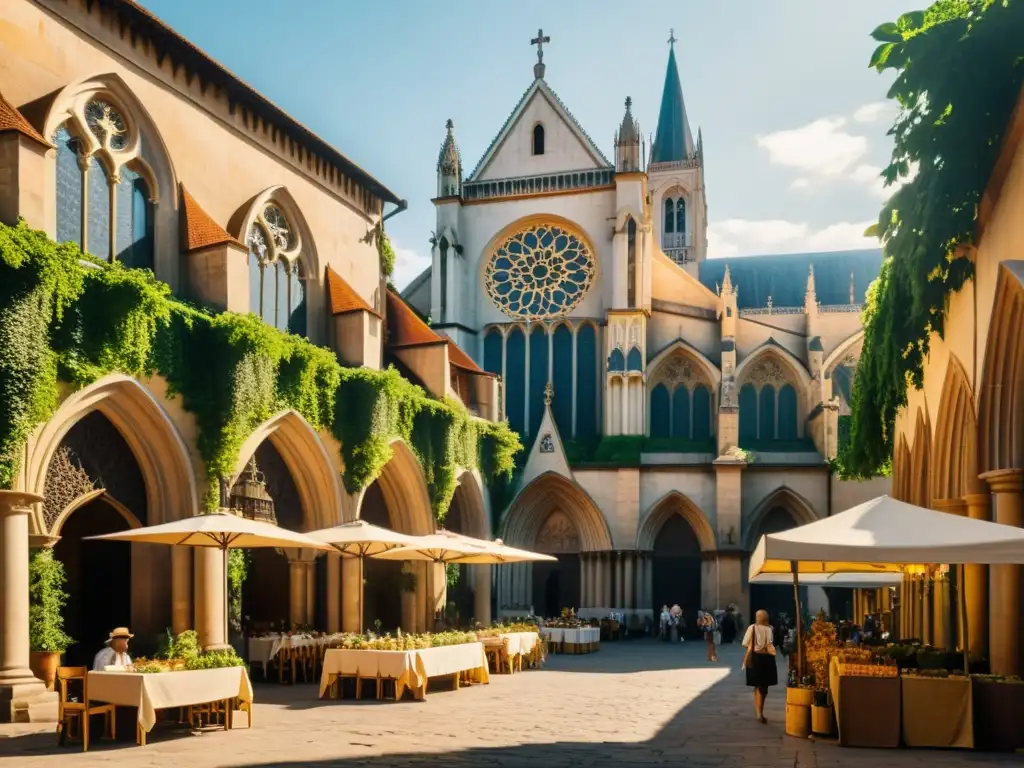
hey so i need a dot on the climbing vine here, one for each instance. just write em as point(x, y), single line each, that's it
point(386, 253)
point(64, 317)
point(958, 78)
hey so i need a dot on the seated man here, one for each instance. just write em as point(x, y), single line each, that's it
point(114, 651)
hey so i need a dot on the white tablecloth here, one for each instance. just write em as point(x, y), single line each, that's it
point(452, 659)
point(575, 636)
point(521, 643)
point(165, 690)
point(410, 669)
point(263, 650)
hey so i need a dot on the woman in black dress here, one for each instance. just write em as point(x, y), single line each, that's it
point(760, 661)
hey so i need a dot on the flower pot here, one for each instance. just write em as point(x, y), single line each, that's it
point(822, 721)
point(798, 712)
point(44, 666)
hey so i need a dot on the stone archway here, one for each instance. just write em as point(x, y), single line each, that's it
point(470, 594)
point(118, 409)
point(399, 595)
point(555, 516)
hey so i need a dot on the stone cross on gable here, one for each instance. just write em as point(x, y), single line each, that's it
point(539, 40)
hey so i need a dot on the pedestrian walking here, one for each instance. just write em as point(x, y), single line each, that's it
point(759, 661)
point(706, 623)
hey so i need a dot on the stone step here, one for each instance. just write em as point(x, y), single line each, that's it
point(40, 708)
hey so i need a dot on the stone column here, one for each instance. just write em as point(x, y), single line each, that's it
point(1004, 591)
point(941, 612)
point(19, 688)
point(649, 583)
point(638, 593)
point(620, 593)
point(598, 568)
point(351, 591)
point(333, 597)
point(311, 593)
point(609, 578)
point(209, 596)
point(979, 507)
point(296, 593)
point(482, 594)
point(181, 589)
point(629, 603)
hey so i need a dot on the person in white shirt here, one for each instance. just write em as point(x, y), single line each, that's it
point(114, 651)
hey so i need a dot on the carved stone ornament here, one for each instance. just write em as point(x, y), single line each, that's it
point(680, 370)
point(558, 535)
point(634, 334)
point(66, 481)
point(547, 444)
point(767, 371)
point(729, 393)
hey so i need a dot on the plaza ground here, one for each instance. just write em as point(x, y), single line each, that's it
point(632, 703)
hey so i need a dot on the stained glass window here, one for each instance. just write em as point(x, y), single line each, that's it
point(561, 362)
point(540, 271)
point(97, 232)
point(681, 215)
point(586, 381)
point(297, 300)
point(670, 218)
point(69, 188)
point(681, 413)
point(106, 124)
point(134, 226)
point(631, 262)
point(277, 289)
point(661, 420)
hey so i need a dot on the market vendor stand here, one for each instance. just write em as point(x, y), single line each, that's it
point(884, 536)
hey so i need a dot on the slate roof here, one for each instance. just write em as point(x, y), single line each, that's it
point(784, 277)
point(343, 296)
point(673, 141)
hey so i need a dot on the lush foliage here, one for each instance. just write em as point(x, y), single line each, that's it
point(238, 570)
point(958, 78)
point(183, 653)
point(386, 253)
point(47, 597)
point(63, 318)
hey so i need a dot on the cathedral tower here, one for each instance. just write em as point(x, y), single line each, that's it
point(446, 251)
point(676, 174)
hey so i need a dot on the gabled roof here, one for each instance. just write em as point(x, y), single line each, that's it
point(343, 296)
point(12, 120)
point(459, 359)
point(201, 231)
point(539, 85)
point(673, 141)
point(405, 327)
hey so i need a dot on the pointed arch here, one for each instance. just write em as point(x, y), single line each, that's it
point(549, 493)
point(130, 520)
point(675, 503)
point(955, 448)
point(405, 492)
point(837, 355)
point(246, 216)
point(801, 510)
point(920, 461)
point(1001, 412)
point(772, 349)
point(316, 479)
point(681, 348)
point(473, 505)
point(901, 470)
point(163, 458)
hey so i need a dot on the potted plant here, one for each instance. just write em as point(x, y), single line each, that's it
point(47, 597)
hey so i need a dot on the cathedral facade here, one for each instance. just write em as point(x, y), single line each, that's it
point(673, 408)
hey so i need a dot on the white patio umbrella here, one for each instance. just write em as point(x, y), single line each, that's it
point(360, 539)
point(439, 547)
point(886, 535)
point(218, 530)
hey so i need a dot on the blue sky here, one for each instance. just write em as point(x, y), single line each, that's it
point(793, 120)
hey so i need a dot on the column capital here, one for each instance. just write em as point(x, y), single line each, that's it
point(1004, 480)
point(18, 502)
point(951, 506)
point(42, 541)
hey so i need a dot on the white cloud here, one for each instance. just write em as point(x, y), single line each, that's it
point(819, 149)
point(745, 237)
point(408, 264)
point(800, 183)
point(869, 113)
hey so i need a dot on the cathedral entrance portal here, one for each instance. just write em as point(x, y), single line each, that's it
point(383, 579)
point(556, 585)
point(677, 566)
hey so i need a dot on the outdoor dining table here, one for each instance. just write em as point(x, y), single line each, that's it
point(149, 692)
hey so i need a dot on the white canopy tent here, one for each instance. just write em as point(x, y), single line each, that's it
point(885, 536)
point(845, 580)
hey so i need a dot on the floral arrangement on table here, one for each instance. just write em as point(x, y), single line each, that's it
point(183, 653)
point(569, 620)
point(402, 641)
point(503, 629)
point(940, 673)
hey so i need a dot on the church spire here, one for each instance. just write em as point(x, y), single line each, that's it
point(627, 142)
point(449, 165)
point(673, 142)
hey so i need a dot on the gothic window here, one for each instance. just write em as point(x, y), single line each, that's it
point(661, 414)
point(586, 381)
point(538, 272)
point(681, 413)
point(768, 405)
point(443, 248)
point(631, 262)
point(539, 376)
point(277, 280)
point(515, 380)
point(616, 361)
point(105, 209)
point(681, 401)
point(538, 139)
point(561, 377)
point(634, 361)
point(670, 216)
point(681, 216)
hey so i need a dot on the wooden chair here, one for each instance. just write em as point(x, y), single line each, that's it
point(68, 710)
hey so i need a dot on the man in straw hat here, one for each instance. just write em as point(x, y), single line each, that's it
point(115, 651)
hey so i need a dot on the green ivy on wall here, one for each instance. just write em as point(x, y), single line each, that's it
point(63, 317)
point(958, 78)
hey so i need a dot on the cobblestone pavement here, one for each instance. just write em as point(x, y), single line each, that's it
point(632, 703)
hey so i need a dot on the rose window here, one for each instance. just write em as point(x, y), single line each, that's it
point(106, 124)
point(540, 271)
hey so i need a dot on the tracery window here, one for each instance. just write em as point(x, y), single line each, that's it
point(540, 271)
point(673, 225)
point(768, 405)
point(681, 401)
point(631, 262)
point(104, 203)
point(277, 279)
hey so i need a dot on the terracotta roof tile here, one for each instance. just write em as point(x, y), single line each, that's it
point(201, 231)
point(12, 120)
point(405, 328)
point(343, 297)
point(459, 359)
